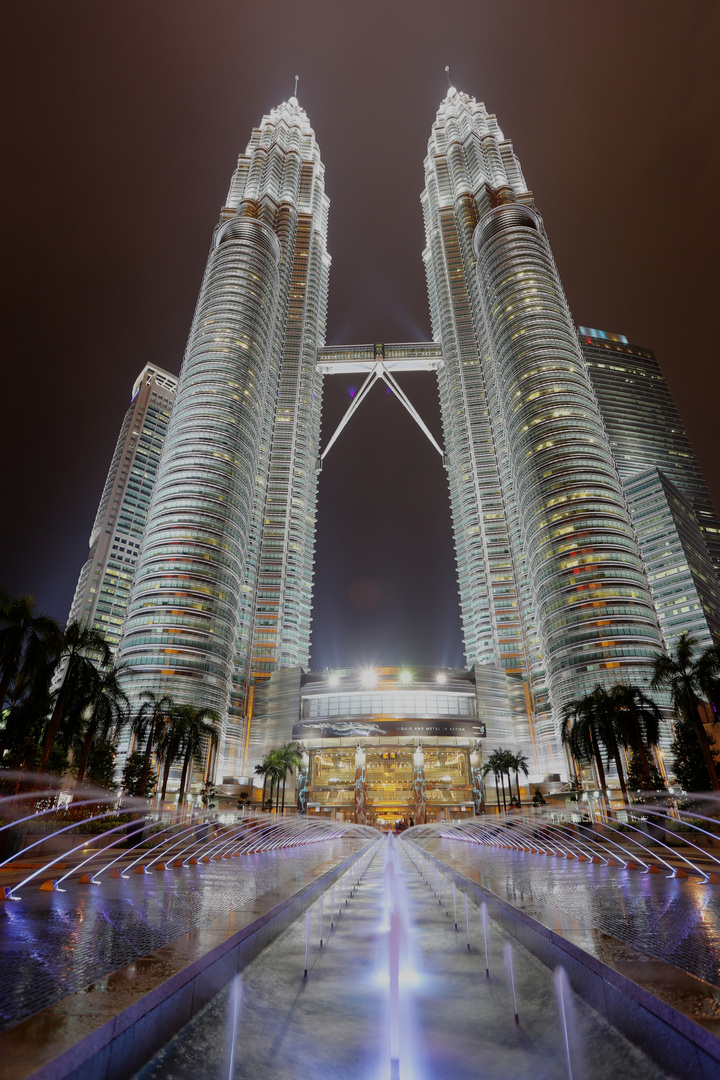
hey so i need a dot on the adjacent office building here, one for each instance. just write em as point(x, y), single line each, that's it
point(102, 591)
point(682, 578)
point(643, 424)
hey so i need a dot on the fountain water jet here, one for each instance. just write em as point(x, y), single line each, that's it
point(484, 914)
point(562, 991)
point(321, 920)
point(511, 975)
point(308, 922)
point(235, 1000)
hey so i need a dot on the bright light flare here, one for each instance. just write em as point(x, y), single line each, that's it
point(405, 677)
point(441, 678)
point(368, 676)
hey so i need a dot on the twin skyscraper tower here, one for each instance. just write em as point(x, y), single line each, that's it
point(553, 589)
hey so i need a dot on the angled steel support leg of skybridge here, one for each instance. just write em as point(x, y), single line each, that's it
point(379, 371)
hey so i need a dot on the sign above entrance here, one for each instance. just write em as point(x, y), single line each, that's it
point(407, 727)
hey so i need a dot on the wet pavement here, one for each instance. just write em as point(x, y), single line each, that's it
point(671, 919)
point(54, 944)
point(454, 1022)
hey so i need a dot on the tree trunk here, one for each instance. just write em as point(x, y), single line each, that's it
point(5, 685)
point(166, 777)
point(643, 755)
point(53, 726)
point(704, 744)
point(621, 774)
point(183, 779)
point(146, 759)
point(283, 795)
point(264, 789)
point(502, 782)
point(517, 781)
point(497, 790)
point(600, 771)
point(89, 736)
point(277, 797)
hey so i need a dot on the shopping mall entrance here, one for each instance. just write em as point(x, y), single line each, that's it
point(394, 784)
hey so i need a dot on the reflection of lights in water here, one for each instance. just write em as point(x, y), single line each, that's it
point(408, 978)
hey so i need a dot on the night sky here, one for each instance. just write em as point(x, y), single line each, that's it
point(121, 128)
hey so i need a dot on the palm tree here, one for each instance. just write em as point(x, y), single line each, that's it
point(79, 645)
point(498, 765)
point(170, 746)
point(263, 769)
point(507, 759)
point(489, 767)
point(199, 726)
point(585, 727)
point(289, 757)
point(106, 713)
point(275, 768)
point(519, 764)
point(28, 640)
point(149, 723)
point(636, 719)
point(678, 673)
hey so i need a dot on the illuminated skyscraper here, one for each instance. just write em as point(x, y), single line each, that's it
point(225, 571)
point(103, 587)
point(551, 583)
point(553, 592)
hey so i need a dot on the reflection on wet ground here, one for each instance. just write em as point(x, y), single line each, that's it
point(53, 944)
point(612, 913)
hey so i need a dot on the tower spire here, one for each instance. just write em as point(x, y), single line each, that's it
point(447, 72)
point(297, 80)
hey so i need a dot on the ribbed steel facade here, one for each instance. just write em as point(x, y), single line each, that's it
point(551, 583)
point(211, 578)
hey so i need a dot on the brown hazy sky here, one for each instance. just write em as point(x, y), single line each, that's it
point(122, 122)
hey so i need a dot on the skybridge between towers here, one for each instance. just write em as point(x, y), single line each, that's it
point(380, 362)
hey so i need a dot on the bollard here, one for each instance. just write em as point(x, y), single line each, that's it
point(455, 904)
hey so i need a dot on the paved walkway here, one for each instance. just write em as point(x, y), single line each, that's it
point(674, 920)
point(454, 1022)
point(52, 944)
